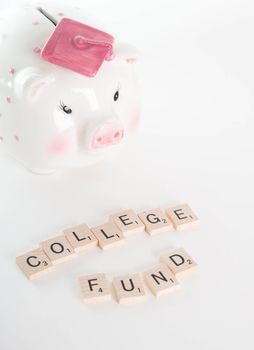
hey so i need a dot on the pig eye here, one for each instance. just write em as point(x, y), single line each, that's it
point(65, 108)
point(116, 95)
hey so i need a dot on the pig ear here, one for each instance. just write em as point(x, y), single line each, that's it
point(30, 84)
point(126, 52)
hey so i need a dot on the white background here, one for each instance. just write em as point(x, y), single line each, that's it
point(195, 145)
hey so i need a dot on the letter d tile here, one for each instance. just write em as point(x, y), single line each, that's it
point(179, 262)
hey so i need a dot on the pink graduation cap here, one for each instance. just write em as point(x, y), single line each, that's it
point(78, 47)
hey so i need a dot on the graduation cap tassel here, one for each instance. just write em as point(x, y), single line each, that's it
point(47, 15)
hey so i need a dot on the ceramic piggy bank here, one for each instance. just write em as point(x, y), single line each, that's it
point(68, 91)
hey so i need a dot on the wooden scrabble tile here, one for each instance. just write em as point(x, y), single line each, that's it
point(94, 288)
point(160, 280)
point(179, 262)
point(128, 222)
point(80, 237)
point(58, 249)
point(182, 216)
point(108, 235)
point(128, 288)
point(34, 263)
point(155, 221)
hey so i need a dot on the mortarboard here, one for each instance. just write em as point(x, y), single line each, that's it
point(78, 47)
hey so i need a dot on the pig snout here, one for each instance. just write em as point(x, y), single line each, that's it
point(107, 135)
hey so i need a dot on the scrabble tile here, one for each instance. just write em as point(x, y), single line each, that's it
point(128, 288)
point(128, 222)
point(179, 262)
point(108, 235)
point(155, 221)
point(182, 216)
point(34, 263)
point(94, 288)
point(160, 280)
point(80, 237)
point(58, 249)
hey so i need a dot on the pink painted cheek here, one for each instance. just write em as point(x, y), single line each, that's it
point(59, 145)
point(134, 122)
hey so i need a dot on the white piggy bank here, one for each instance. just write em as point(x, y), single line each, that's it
point(53, 115)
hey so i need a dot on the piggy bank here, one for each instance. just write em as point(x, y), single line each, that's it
point(68, 90)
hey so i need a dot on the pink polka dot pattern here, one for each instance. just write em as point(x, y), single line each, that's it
point(8, 99)
point(12, 71)
point(1, 138)
point(16, 137)
point(37, 50)
point(60, 14)
point(35, 23)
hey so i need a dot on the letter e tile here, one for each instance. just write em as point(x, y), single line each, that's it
point(128, 222)
point(182, 216)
